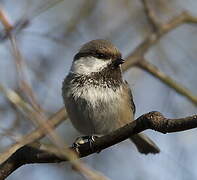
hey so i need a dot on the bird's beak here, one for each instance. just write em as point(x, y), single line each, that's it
point(119, 61)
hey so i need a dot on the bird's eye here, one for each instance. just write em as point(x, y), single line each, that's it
point(101, 56)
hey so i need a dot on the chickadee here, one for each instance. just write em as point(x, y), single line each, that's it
point(97, 98)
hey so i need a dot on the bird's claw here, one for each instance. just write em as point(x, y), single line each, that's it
point(83, 140)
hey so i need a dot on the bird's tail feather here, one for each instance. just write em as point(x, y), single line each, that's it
point(144, 144)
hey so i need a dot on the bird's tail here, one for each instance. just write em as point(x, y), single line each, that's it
point(144, 144)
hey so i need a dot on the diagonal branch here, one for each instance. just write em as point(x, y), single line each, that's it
point(153, 120)
point(153, 70)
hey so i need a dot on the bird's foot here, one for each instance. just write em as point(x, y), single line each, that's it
point(80, 141)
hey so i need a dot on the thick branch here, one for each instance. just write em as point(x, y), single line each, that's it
point(153, 120)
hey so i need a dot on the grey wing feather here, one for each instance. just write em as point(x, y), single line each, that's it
point(131, 98)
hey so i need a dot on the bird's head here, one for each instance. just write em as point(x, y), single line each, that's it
point(96, 55)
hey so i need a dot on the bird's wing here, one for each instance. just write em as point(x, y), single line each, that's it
point(131, 97)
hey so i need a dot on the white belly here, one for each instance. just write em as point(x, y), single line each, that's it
point(96, 110)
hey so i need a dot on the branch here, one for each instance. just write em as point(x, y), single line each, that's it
point(153, 120)
point(152, 19)
point(150, 68)
point(4, 20)
point(154, 37)
point(86, 8)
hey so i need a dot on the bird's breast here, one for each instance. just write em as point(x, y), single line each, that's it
point(99, 109)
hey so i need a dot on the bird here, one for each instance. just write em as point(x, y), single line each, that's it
point(97, 98)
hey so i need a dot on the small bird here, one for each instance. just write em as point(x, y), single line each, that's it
point(97, 98)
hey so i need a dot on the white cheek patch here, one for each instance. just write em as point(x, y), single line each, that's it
point(87, 65)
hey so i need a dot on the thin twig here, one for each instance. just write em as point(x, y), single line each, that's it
point(150, 68)
point(20, 64)
point(152, 19)
point(4, 20)
point(154, 37)
point(86, 8)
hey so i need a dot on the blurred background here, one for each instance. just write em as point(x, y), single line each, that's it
point(49, 33)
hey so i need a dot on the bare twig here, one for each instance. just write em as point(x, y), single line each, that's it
point(4, 20)
point(86, 8)
point(150, 68)
point(16, 100)
point(152, 19)
point(24, 85)
point(154, 37)
point(153, 120)
point(23, 82)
